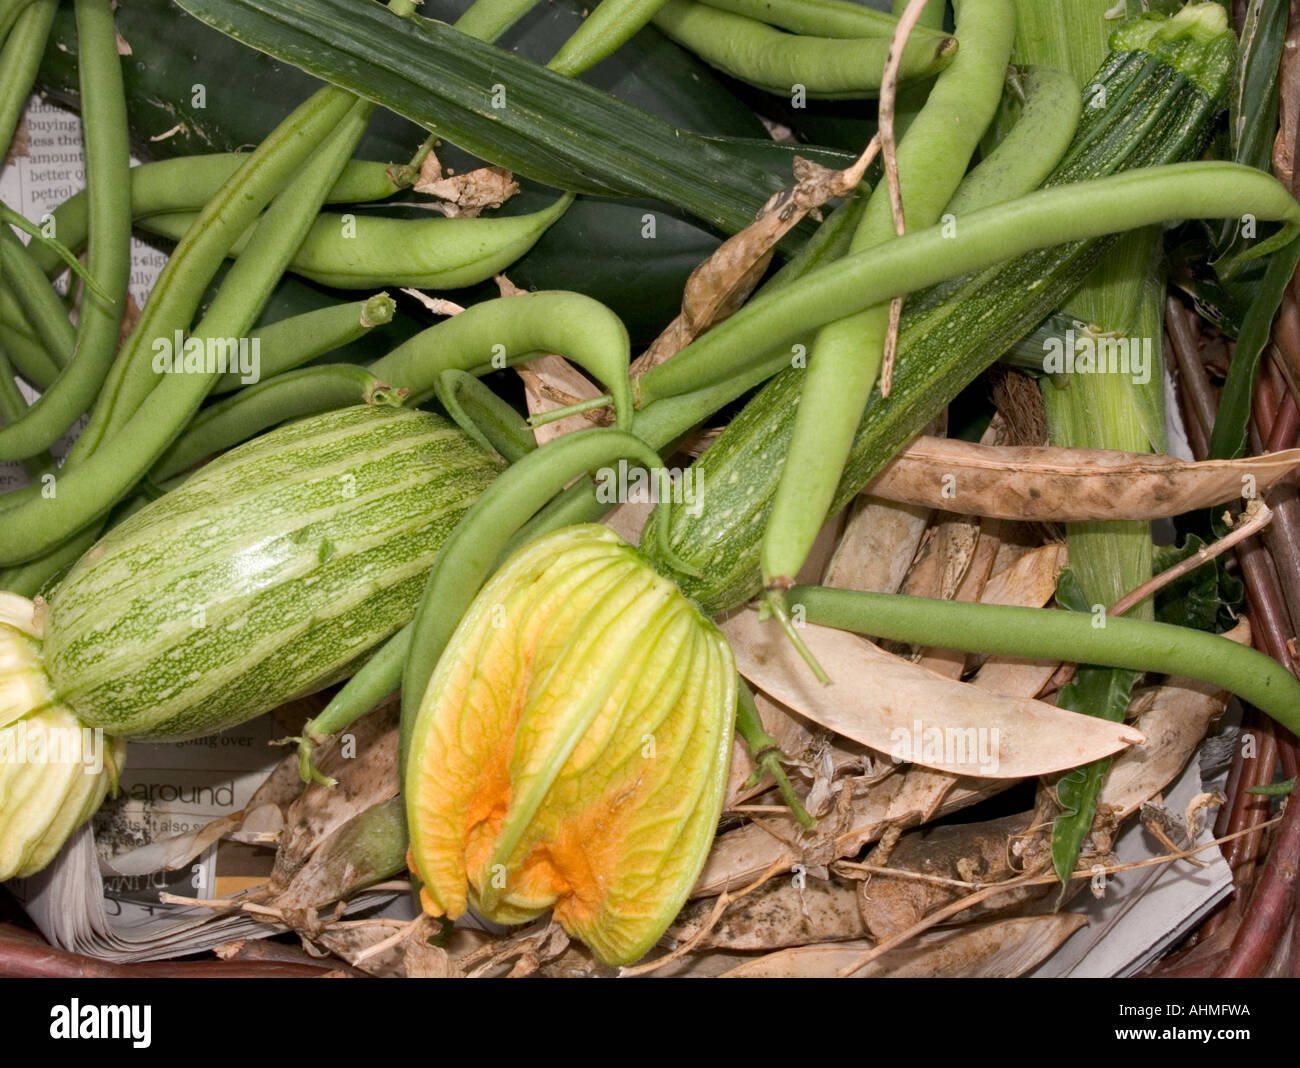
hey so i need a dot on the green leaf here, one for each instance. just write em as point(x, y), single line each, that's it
point(1273, 789)
point(1233, 417)
point(1095, 691)
point(1253, 102)
point(1069, 594)
point(1198, 598)
point(499, 107)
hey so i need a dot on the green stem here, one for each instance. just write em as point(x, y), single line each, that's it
point(766, 753)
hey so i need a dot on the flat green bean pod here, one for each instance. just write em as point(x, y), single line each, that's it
point(821, 18)
point(364, 251)
point(826, 67)
point(186, 183)
point(496, 333)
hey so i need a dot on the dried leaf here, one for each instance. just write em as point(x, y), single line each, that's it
point(409, 957)
point(720, 285)
point(905, 712)
point(364, 761)
point(1068, 485)
point(902, 797)
point(879, 543)
point(552, 382)
point(1029, 582)
point(1284, 148)
point(944, 556)
point(967, 852)
point(465, 195)
point(1003, 949)
point(951, 663)
point(369, 848)
point(783, 912)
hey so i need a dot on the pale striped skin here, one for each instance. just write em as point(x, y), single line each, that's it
point(272, 572)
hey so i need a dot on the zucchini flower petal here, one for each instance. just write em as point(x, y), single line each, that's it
point(54, 770)
point(571, 749)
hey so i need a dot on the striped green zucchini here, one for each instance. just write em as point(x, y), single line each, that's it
point(1151, 102)
point(270, 573)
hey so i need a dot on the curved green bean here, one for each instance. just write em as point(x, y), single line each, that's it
point(769, 59)
point(27, 352)
point(9, 12)
point(1033, 147)
point(846, 355)
point(299, 339)
point(489, 19)
point(28, 357)
point(1079, 211)
point(100, 316)
point(13, 406)
point(662, 423)
point(30, 578)
point(280, 230)
point(377, 678)
point(40, 304)
point(364, 251)
point(186, 183)
point(821, 18)
point(90, 484)
point(20, 57)
point(179, 288)
point(249, 412)
point(484, 416)
point(1045, 634)
point(499, 332)
point(609, 26)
